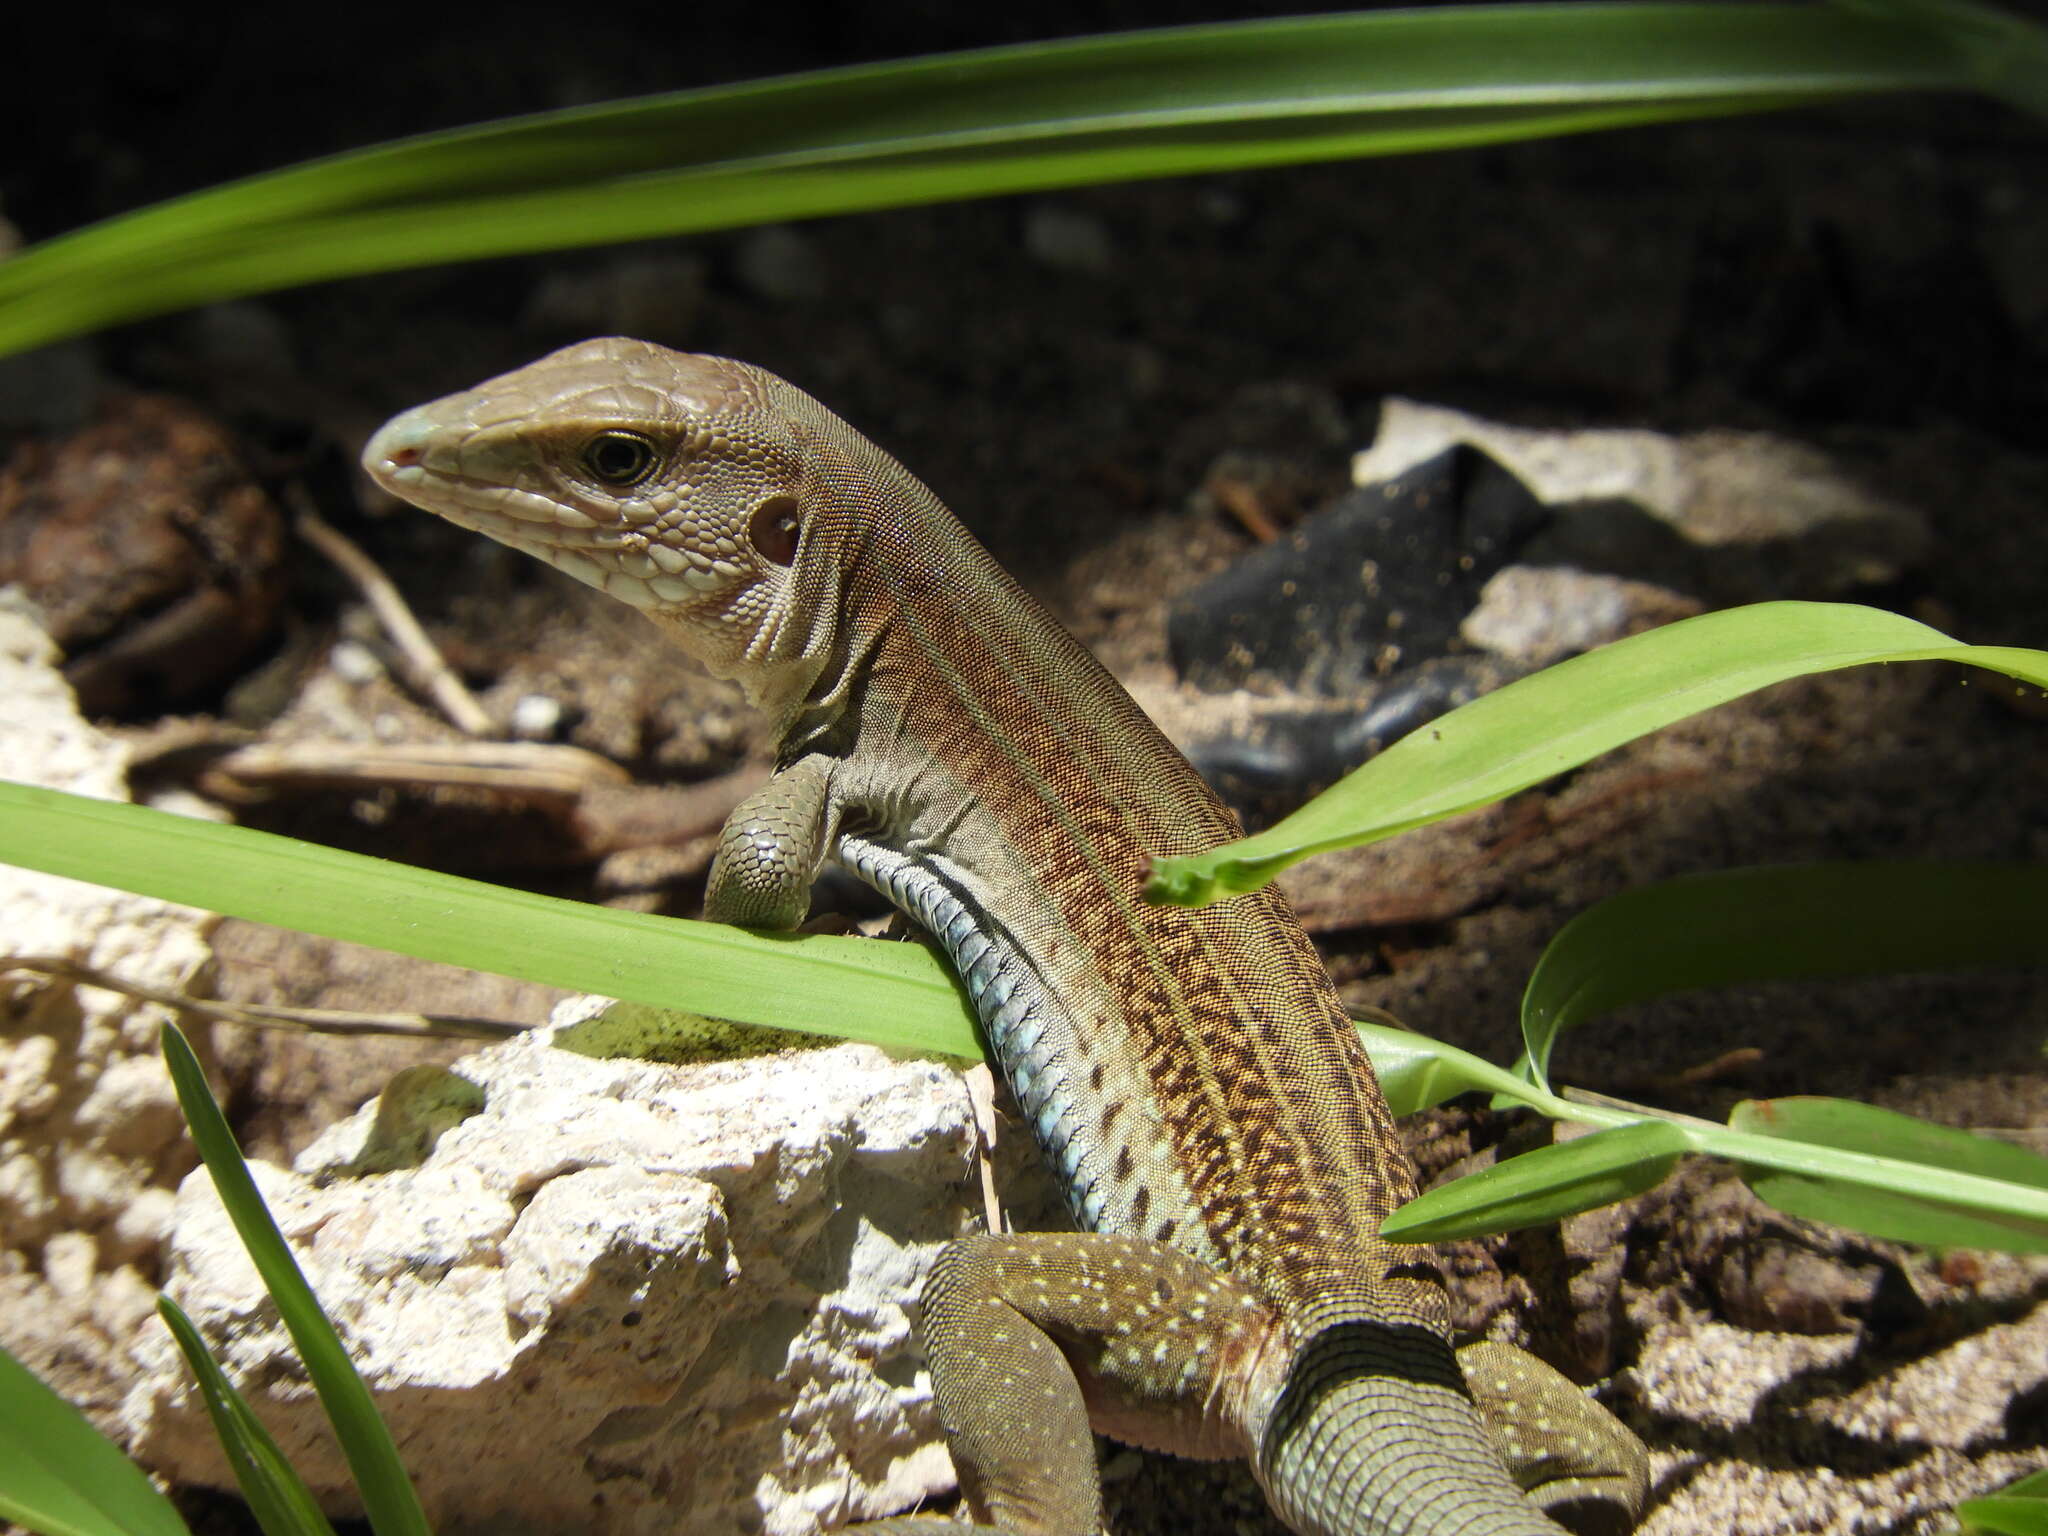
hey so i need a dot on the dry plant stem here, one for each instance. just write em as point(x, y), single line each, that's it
point(1727, 1064)
point(1242, 503)
point(322, 1021)
point(528, 770)
point(1591, 1099)
point(1371, 1013)
point(640, 816)
point(430, 672)
point(981, 1094)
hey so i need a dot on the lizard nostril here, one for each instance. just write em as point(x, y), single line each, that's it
point(402, 458)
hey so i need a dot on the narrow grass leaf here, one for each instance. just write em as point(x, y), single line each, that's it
point(1937, 1205)
point(1416, 1072)
point(1867, 1128)
point(1545, 1185)
point(1870, 1191)
point(1029, 117)
point(2017, 1509)
point(61, 1477)
point(896, 995)
point(1884, 1174)
point(2006, 54)
point(388, 1496)
point(280, 1500)
point(2033, 1486)
point(2005, 1514)
point(1566, 715)
point(1776, 924)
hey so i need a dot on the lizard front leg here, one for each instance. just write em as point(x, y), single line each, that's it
point(771, 847)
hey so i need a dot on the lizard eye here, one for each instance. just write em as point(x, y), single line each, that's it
point(774, 528)
point(619, 459)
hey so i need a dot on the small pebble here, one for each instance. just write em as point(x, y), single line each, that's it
point(1067, 239)
point(243, 337)
point(778, 263)
point(536, 717)
point(355, 662)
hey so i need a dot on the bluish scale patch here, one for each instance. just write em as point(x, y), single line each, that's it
point(1011, 999)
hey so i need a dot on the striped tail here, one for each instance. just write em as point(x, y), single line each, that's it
point(1375, 1434)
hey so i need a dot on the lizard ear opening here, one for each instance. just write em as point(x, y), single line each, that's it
point(774, 528)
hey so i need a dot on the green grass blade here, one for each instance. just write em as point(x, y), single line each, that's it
point(280, 1500)
point(1885, 1196)
point(1981, 1212)
point(2018, 1509)
point(1416, 1072)
point(1566, 715)
point(1926, 1212)
point(895, 995)
point(1889, 1175)
point(61, 1477)
point(388, 1496)
point(1545, 1185)
point(1012, 119)
point(1857, 1127)
point(2005, 54)
point(2005, 1515)
point(2033, 1486)
point(1777, 924)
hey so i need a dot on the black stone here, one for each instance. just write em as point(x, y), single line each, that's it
point(1373, 584)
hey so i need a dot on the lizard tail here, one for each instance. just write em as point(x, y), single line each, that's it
point(1375, 1434)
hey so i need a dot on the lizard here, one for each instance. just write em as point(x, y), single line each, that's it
point(1190, 1075)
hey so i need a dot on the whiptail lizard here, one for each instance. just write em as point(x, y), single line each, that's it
point(1190, 1076)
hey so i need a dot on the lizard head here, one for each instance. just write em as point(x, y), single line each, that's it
point(671, 481)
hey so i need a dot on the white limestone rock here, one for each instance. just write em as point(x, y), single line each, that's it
point(623, 1297)
point(1535, 615)
point(91, 1141)
point(1773, 517)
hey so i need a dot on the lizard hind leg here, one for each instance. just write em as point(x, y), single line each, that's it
point(1035, 1337)
point(1574, 1459)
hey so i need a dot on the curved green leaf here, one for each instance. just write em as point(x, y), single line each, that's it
point(1857, 1127)
point(1545, 1185)
point(1416, 1072)
point(895, 995)
point(1942, 1208)
point(1785, 923)
point(2005, 1515)
point(1012, 119)
point(1566, 715)
point(2033, 1486)
point(1843, 1163)
point(280, 1500)
point(1909, 1191)
point(389, 1498)
point(61, 1477)
point(2018, 1509)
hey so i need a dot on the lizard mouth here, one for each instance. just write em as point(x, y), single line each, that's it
point(626, 561)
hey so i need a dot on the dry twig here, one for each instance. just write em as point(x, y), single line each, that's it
point(325, 1021)
point(433, 675)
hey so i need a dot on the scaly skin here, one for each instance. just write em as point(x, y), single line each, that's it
point(1189, 1075)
